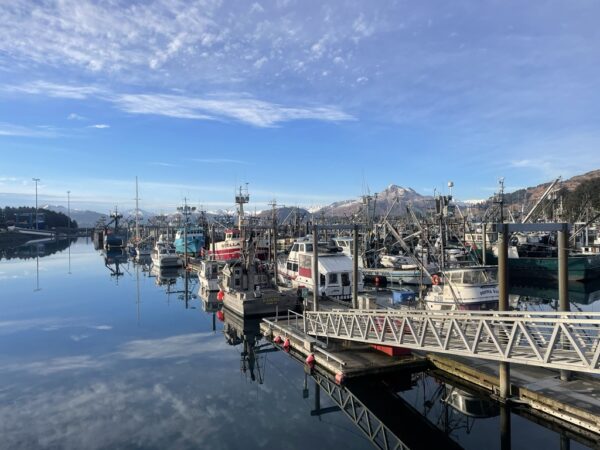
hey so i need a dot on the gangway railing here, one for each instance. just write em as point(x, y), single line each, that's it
point(555, 340)
point(373, 428)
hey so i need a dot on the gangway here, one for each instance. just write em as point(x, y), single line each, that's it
point(555, 340)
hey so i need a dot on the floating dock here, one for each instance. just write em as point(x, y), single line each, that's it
point(573, 405)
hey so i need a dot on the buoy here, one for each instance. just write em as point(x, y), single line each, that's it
point(435, 279)
point(310, 360)
point(220, 316)
point(220, 296)
point(277, 339)
point(286, 345)
point(339, 378)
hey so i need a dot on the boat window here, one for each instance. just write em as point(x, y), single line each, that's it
point(295, 248)
point(289, 266)
point(295, 267)
point(309, 247)
point(322, 280)
point(302, 248)
point(333, 278)
point(345, 279)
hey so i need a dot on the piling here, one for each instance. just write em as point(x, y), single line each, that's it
point(503, 236)
point(484, 245)
point(563, 279)
point(355, 267)
point(315, 268)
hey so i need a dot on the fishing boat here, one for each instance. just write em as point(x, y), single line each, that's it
point(247, 289)
point(164, 255)
point(195, 240)
point(335, 269)
point(208, 276)
point(231, 248)
point(463, 288)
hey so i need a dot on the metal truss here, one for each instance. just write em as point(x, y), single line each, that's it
point(379, 435)
point(555, 340)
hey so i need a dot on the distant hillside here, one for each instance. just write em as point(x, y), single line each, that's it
point(87, 218)
point(577, 194)
point(84, 219)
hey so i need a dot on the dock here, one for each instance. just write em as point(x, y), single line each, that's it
point(345, 359)
point(572, 405)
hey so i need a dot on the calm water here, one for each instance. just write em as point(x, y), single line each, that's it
point(93, 359)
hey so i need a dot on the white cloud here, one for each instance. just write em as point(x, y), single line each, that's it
point(100, 126)
point(74, 116)
point(219, 161)
point(50, 89)
point(8, 129)
point(247, 110)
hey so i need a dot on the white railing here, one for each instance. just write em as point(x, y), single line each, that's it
point(567, 340)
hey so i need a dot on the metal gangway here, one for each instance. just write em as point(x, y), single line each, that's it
point(555, 340)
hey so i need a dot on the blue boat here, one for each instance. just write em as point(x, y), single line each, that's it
point(195, 241)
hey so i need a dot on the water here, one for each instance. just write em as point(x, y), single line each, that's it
point(93, 359)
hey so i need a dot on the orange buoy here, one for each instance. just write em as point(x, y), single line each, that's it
point(220, 296)
point(435, 279)
point(220, 316)
point(277, 339)
point(286, 345)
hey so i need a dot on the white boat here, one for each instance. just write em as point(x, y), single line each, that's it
point(463, 288)
point(164, 255)
point(335, 270)
point(208, 276)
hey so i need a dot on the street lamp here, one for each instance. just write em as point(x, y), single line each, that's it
point(69, 212)
point(36, 202)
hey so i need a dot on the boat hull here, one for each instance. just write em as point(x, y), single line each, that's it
point(270, 302)
point(580, 268)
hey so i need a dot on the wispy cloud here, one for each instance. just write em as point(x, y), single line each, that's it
point(161, 164)
point(8, 129)
point(248, 110)
point(75, 116)
point(242, 108)
point(219, 161)
point(100, 126)
point(50, 89)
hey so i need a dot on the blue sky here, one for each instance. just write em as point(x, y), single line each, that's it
point(307, 101)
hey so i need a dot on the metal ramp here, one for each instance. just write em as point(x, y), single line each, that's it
point(375, 430)
point(555, 340)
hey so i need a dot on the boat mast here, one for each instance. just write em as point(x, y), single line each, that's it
point(240, 199)
point(137, 214)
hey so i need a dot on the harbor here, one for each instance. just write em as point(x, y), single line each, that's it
point(299, 225)
point(430, 308)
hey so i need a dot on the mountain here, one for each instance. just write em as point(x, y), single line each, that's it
point(394, 196)
point(87, 218)
point(286, 214)
point(84, 218)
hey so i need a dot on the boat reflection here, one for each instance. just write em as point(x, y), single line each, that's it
point(580, 292)
point(113, 259)
point(165, 276)
point(246, 332)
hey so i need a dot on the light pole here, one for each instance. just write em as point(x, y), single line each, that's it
point(69, 212)
point(36, 203)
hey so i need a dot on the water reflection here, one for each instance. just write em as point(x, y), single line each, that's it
point(246, 332)
point(35, 248)
point(113, 260)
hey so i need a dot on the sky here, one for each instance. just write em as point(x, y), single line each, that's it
point(308, 102)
